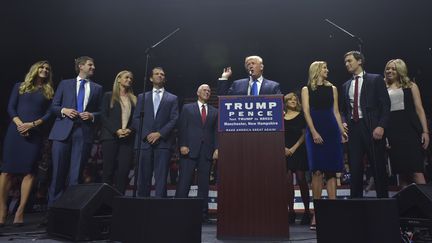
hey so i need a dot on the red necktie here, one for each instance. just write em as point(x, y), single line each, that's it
point(203, 114)
point(356, 94)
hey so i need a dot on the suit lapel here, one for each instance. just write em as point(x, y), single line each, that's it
point(149, 102)
point(74, 93)
point(91, 94)
point(263, 86)
point(245, 87)
point(163, 100)
point(363, 91)
point(196, 112)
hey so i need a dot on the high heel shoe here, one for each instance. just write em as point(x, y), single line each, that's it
point(18, 220)
point(2, 224)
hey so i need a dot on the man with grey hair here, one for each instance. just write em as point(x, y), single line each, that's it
point(255, 84)
point(197, 141)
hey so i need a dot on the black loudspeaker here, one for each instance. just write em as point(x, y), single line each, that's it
point(357, 220)
point(415, 206)
point(161, 220)
point(83, 212)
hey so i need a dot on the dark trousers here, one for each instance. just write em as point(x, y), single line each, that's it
point(361, 142)
point(157, 160)
point(117, 158)
point(68, 158)
point(187, 168)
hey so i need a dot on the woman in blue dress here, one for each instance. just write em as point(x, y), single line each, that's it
point(324, 134)
point(28, 109)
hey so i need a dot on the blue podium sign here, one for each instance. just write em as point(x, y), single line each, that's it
point(251, 113)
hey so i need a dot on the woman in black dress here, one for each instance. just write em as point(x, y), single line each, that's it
point(116, 136)
point(407, 132)
point(28, 108)
point(295, 153)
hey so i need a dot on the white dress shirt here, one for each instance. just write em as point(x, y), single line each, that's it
point(260, 80)
point(351, 93)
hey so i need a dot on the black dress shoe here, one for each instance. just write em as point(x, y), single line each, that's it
point(305, 219)
point(292, 217)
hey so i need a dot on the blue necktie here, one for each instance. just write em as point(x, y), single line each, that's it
point(80, 97)
point(254, 88)
point(156, 101)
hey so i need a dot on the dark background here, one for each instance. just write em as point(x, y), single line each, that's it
point(287, 34)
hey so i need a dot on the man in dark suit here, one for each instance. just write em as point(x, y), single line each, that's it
point(197, 141)
point(160, 118)
point(365, 109)
point(255, 84)
point(76, 105)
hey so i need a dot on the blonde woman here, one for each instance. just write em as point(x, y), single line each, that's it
point(117, 133)
point(28, 109)
point(324, 134)
point(295, 153)
point(407, 131)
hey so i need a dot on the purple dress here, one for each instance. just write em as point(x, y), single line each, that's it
point(20, 153)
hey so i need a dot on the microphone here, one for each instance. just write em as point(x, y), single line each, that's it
point(250, 73)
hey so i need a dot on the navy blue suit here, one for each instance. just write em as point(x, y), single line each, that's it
point(157, 156)
point(72, 138)
point(240, 87)
point(375, 108)
point(201, 140)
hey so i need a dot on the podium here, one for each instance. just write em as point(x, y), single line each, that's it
point(252, 197)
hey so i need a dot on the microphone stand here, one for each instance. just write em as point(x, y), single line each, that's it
point(359, 40)
point(141, 119)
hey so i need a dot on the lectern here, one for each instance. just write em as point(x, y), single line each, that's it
point(252, 198)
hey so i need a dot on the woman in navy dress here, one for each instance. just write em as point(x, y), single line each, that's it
point(117, 133)
point(324, 134)
point(407, 132)
point(28, 109)
point(295, 154)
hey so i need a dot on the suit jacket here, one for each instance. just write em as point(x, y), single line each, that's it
point(65, 97)
point(164, 122)
point(194, 134)
point(240, 87)
point(111, 118)
point(374, 101)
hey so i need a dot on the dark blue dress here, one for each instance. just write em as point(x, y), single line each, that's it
point(326, 157)
point(20, 153)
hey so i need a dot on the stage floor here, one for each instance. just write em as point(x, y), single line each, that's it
point(33, 232)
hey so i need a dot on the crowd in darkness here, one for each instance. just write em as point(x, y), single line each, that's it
point(78, 134)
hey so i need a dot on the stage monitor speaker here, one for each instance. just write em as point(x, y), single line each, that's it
point(415, 206)
point(357, 221)
point(83, 212)
point(157, 220)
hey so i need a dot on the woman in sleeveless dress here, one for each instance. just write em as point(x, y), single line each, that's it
point(28, 109)
point(324, 134)
point(407, 132)
point(295, 154)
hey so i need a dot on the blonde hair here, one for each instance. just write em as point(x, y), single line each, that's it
point(28, 86)
point(289, 96)
point(402, 71)
point(115, 97)
point(314, 71)
point(258, 58)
